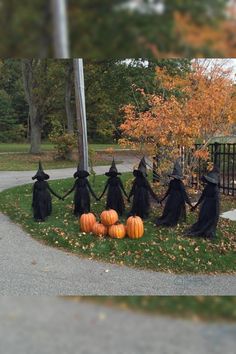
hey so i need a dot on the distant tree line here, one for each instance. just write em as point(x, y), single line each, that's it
point(106, 29)
point(37, 96)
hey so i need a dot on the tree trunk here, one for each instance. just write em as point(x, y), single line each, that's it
point(68, 92)
point(34, 114)
point(35, 136)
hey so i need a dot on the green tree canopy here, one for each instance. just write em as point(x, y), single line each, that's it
point(98, 29)
point(109, 85)
point(7, 117)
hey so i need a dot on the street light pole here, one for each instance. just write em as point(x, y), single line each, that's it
point(81, 113)
point(61, 51)
point(60, 29)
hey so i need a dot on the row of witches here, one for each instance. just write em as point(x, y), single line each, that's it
point(141, 193)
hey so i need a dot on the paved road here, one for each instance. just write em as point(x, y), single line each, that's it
point(28, 267)
point(59, 326)
point(10, 179)
point(231, 215)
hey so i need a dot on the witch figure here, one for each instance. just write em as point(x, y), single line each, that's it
point(141, 192)
point(175, 207)
point(210, 207)
point(42, 201)
point(82, 192)
point(115, 188)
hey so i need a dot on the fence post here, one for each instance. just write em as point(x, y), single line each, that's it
point(233, 170)
point(216, 154)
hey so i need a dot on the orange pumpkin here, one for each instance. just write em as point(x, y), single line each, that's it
point(117, 231)
point(99, 229)
point(87, 221)
point(134, 226)
point(109, 217)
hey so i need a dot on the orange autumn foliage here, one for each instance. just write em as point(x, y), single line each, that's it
point(206, 107)
point(202, 154)
point(220, 38)
point(196, 39)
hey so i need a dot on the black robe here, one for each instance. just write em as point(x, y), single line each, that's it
point(114, 194)
point(209, 213)
point(141, 192)
point(81, 197)
point(42, 200)
point(175, 209)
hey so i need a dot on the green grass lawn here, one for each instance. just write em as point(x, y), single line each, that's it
point(207, 308)
point(27, 162)
point(24, 148)
point(21, 147)
point(98, 147)
point(160, 249)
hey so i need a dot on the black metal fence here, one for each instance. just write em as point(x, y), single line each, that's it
point(224, 155)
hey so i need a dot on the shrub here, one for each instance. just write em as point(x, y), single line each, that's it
point(64, 142)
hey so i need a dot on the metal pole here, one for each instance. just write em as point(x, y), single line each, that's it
point(60, 29)
point(81, 112)
point(61, 51)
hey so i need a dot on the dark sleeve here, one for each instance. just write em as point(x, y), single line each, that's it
point(91, 190)
point(166, 194)
point(122, 187)
point(132, 191)
point(203, 196)
point(104, 191)
point(70, 191)
point(52, 191)
point(151, 191)
point(185, 195)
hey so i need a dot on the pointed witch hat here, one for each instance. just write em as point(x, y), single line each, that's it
point(40, 173)
point(213, 176)
point(80, 173)
point(142, 168)
point(113, 170)
point(177, 171)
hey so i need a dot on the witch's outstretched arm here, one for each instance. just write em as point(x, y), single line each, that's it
point(200, 200)
point(123, 189)
point(91, 191)
point(166, 195)
point(104, 191)
point(52, 191)
point(185, 195)
point(70, 191)
point(131, 193)
point(152, 193)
